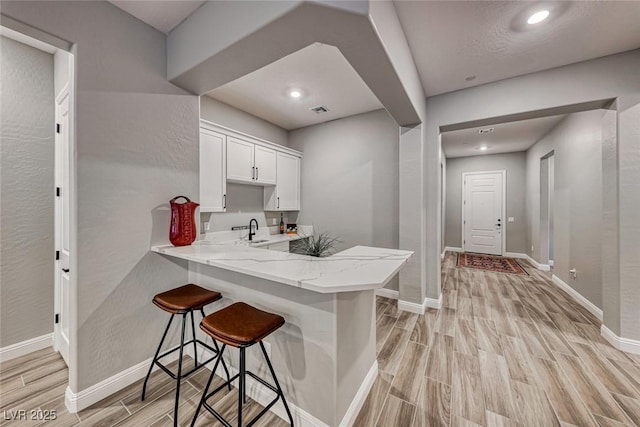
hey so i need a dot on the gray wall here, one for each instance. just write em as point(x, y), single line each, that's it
point(136, 148)
point(350, 179)
point(577, 215)
point(26, 180)
point(514, 164)
point(241, 121)
point(243, 201)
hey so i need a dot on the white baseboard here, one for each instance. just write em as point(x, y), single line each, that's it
point(264, 396)
point(433, 303)
point(25, 347)
point(361, 395)
point(624, 344)
point(413, 307)
point(577, 297)
point(536, 264)
point(387, 293)
point(76, 402)
point(452, 249)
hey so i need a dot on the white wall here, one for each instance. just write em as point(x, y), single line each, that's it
point(577, 216)
point(136, 142)
point(350, 179)
point(26, 180)
point(514, 164)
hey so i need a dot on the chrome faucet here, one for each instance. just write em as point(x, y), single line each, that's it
point(251, 232)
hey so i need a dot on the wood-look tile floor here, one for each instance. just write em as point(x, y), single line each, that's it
point(503, 350)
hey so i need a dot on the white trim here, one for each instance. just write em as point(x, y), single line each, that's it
point(25, 347)
point(623, 344)
point(591, 308)
point(76, 402)
point(264, 396)
point(503, 233)
point(28, 40)
point(387, 293)
point(433, 303)
point(361, 395)
point(536, 264)
point(413, 307)
point(452, 249)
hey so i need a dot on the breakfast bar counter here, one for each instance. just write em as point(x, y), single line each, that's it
point(325, 354)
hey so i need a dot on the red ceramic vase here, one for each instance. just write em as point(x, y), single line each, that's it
point(183, 224)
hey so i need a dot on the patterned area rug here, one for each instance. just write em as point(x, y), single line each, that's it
point(491, 263)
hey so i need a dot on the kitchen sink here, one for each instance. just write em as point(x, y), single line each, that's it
point(253, 242)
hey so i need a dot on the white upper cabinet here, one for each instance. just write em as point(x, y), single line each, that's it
point(265, 164)
point(227, 155)
point(240, 166)
point(213, 183)
point(250, 163)
point(285, 196)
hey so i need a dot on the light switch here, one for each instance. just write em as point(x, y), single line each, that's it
point(510, 219)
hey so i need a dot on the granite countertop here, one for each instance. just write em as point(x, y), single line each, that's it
point(355, 269)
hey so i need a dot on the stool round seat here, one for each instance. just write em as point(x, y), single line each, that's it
point(185, 298)
point(240, 325)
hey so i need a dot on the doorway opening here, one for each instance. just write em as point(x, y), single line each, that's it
point(38, 151)
point(547, 178)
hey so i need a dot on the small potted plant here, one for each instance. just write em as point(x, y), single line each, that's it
point(318, 245)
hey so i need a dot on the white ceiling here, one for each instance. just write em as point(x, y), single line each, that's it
point(319, 70)
point(162, 15)
point(451, 40)
point(506, 137)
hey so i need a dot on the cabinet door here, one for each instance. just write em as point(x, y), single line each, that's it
point(213, 181)
point(240, 160)
point(288, 183)
point(265, 163)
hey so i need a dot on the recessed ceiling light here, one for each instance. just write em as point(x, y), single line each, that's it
point(538, 17)
point(470, 78)
point(483, 148)
point(486, 130)
point(295, 93)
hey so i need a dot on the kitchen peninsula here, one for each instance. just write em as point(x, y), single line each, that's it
point(325, 355)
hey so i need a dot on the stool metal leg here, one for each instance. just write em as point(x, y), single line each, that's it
point(195, 344)
point(206, 389)
point(242, 398)
point(155, 358)
point(215, 344)
point(275, 380)
point(175, 409)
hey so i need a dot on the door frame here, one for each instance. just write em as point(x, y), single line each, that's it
point(503, 172)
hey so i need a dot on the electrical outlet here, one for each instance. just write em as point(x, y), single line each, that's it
point(531, 248)
point(511, 219)
point(207, 226)
point(274, 221)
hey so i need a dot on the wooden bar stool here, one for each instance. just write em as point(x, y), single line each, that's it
point(241, 325)
point(183, 301)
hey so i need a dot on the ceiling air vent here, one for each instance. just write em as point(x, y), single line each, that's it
point(319, 109)
point(486, 130)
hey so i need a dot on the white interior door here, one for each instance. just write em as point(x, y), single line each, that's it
point(62, 212)
point(483, 208)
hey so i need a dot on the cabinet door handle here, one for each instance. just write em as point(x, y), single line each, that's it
point(224, 201)
point(256, 174)
point(278, 202)
point(253, 172)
